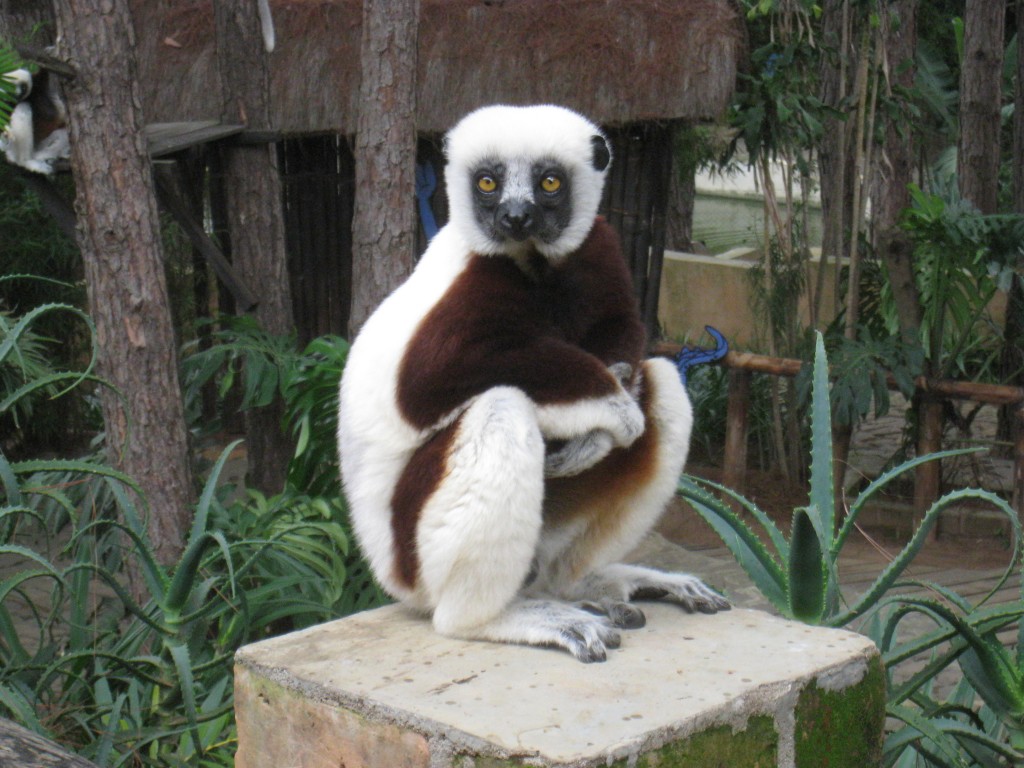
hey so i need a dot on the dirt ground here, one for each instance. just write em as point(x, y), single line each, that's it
point(778, 497)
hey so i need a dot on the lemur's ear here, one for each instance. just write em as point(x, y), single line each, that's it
point(602, 153)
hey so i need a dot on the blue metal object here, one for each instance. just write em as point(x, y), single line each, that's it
point(426, 183)
point(691, 356)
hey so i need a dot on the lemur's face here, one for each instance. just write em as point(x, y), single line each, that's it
point(521, 200)
point(22, 81)
point(525, 178)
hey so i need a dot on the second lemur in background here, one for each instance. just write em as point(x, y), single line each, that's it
point(37, 133)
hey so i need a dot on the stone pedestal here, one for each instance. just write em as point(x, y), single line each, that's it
point(739, 689)
point(382, 690)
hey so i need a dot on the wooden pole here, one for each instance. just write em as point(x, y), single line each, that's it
point(246, 299)
point(735, 470)
point(927, 476)
point(1018, 463)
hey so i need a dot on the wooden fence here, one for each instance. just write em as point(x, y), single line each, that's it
point(743, 365)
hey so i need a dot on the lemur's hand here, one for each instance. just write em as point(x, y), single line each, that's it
point(625, 405)
point(629, 419)
point(579, 454)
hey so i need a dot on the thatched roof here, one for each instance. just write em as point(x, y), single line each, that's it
point(613, 60)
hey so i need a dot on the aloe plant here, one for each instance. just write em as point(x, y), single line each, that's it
point(130, 681)
point(981, 722)
point(800, 576)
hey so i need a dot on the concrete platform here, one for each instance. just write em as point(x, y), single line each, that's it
point(382, 690)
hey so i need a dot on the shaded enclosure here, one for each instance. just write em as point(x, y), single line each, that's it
point(638, 68)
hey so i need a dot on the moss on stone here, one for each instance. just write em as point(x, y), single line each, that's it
point(754, 747)
point(842, 729)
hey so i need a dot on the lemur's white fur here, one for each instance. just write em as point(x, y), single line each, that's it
point(503, 555)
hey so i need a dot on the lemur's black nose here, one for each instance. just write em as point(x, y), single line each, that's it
point(517, 218)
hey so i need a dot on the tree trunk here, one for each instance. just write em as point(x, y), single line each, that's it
point(834, 156)
point(1013, 332)
point(384, 221)
point(255, 217)
point(894, 171)
point(26, 21)
point(119, 237)
point(681, 191)
point(980, 100)
point(1018, 116)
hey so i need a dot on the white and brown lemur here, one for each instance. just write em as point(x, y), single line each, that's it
point(503, 442)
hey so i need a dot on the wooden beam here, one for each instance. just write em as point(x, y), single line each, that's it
point(25, 749)
point(168, 138)
point(934, 391)
point(734, 469)
point(245, 298)
point(991, 394)
point(1018, 462)
point(928, 476)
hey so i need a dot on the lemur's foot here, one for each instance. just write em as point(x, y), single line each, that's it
point(621, 614)
point(589, 641)
point(685, 590)
point(545, 622)
point(621, 582)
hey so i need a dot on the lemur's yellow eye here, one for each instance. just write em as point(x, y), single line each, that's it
point(551, 184)
point(486, 184)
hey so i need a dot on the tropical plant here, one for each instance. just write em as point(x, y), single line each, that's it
point(9, 61)
point(953, 729)
point(126, 680)
point(239, 351)
point(28, 375)
point(310, 389)
point(961, 259)
point(861, 369)
point(308, 383)
point(800, 577)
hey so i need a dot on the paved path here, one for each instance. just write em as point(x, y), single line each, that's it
point(876, 441)
point(859, 566)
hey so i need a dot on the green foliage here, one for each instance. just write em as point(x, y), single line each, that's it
point(708, 386)
point(861, 368)
point(800, 577)
point(961, 258)
point(239, 350)
point(268, 366)
point(9, 60)
point(776, 106)
point(311, 408)
point(127, 660)
point(981, 721)
point(148, 681)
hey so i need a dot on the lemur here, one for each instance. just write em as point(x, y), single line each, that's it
point(37, 132)
point(502, 440)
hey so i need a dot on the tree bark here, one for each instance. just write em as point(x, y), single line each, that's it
point(21, 20)
point(1010, 420)
point(980, 99)
point(384, 221)
point(119, 237)
point(1018, 116)
point(681, 191)
point(834, 158)
point(255, 217)
point(894, 171)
